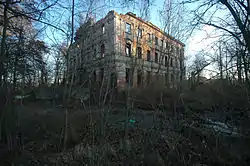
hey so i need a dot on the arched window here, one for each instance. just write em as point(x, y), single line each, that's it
point(139, 52)
point(128, 49)
point(103, 28)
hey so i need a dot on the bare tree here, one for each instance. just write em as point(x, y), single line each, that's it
point(231, 22)
point(235, 12)
point(174, 16)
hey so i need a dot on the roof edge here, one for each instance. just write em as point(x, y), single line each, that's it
point(155, 27)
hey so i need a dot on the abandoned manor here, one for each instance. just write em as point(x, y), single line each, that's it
point(124, 50)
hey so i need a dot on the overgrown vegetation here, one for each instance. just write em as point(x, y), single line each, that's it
point(171, 127)
point(46, 119)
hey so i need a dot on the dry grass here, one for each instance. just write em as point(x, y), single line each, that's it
point(96, 136)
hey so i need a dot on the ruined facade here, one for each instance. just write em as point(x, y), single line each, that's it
point(126, 50)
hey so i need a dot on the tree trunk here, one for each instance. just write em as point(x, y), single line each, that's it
point(239, 67)
point(3, 86)
point(220, 63)
point(245, 66)
point(14, 73)
point(3, 49)
point(16, 58)
point(242, 26)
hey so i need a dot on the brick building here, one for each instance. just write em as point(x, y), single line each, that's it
point(127, 50)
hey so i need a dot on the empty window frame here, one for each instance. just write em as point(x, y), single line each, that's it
point(177, 52)
point(103, 28)
point(176, 62)
point(139, 33)
point(156, 57)
point(172, 49)
point(94, 76)
point(167, 47)
point(128, 49)
point(156, 40)
point(128, 28)
point(95, 52)
point(148, 55)
point(166, 61)
point(127, 77)
point(139, 52)
point(102, 50)
point(149, 37)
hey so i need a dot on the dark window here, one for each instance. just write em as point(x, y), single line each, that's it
point(94, 76)
point(156, 57)
point(181, 65)
point(94, 52)
point(171, 62)
point(148, 55)
point(102, 50)
point(156, 40)
point(177, 52)
point(139, 78)
point(127, 75)
point(128, 49)
point(171, 48)
point(149, 39)
point(139, 33)
point(162, 43)
point(128, 28)
point(166, 61)
point(139, 52)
